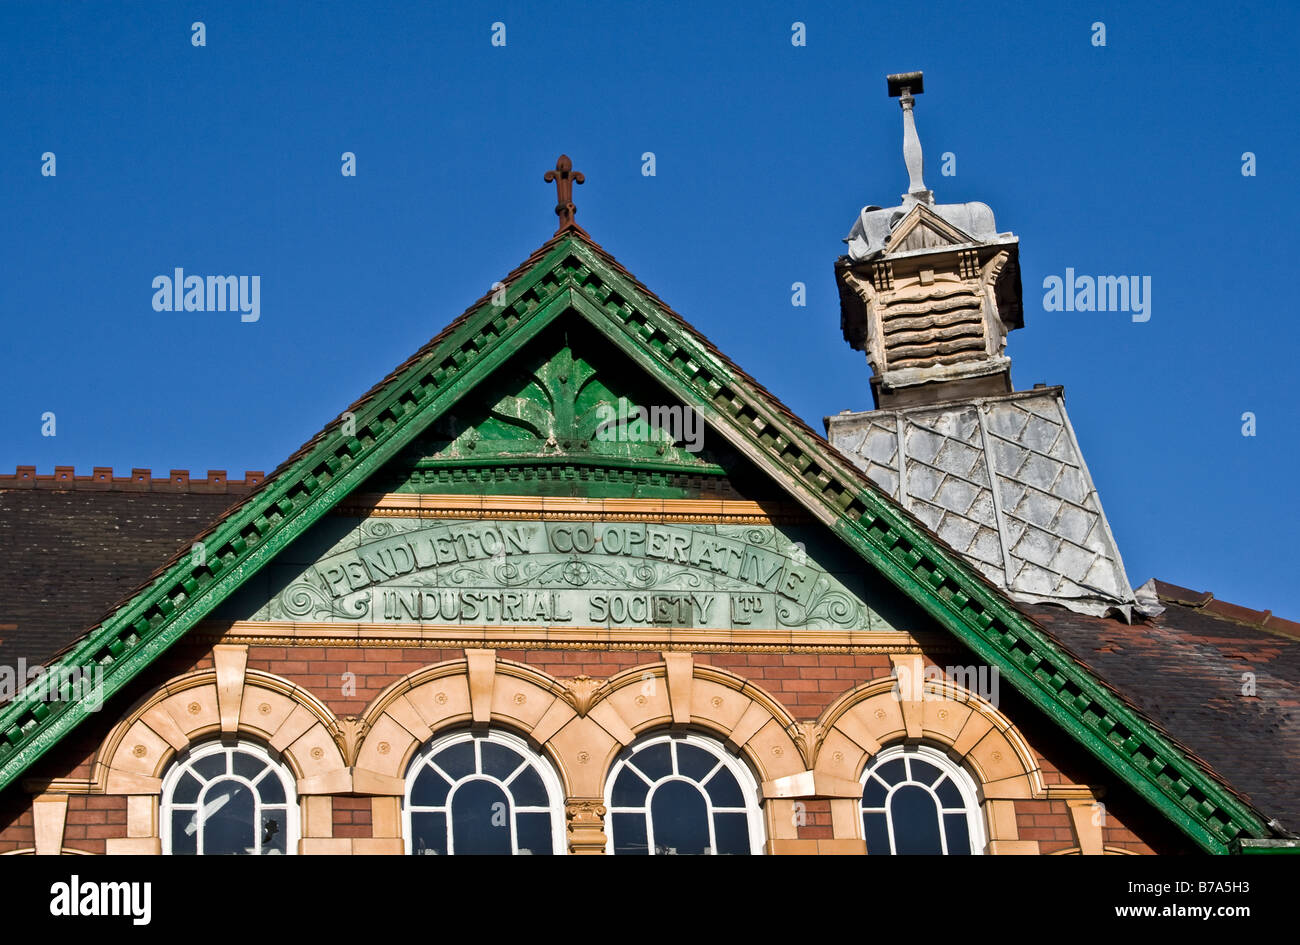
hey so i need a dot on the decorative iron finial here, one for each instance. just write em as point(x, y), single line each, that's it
point(565, 177)
point(904, 86)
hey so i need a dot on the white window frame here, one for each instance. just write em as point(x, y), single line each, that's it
point(275, 768)
point(744, 777)
point(550, 780)
point(958, 776)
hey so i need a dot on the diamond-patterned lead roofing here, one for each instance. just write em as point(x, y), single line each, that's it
point(1002, 481)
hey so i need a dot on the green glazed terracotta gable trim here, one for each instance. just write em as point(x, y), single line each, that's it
point(574, 276)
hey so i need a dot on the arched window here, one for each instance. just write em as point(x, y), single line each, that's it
point(682, 794)
point(222, 798)
point(916, 801)
point(475, 793)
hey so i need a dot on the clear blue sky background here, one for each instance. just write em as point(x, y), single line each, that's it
point(225, 159)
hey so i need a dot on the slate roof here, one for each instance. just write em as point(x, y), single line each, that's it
point(1002, 481)
point(111, 532)
point(1185, 670)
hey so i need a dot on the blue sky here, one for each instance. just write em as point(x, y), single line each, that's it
point(226, 159)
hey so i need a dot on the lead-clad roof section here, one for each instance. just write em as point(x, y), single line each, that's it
point(1002, 481)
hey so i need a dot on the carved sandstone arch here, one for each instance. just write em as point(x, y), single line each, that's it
point(682, 694)
point(580, 724)
point(969, 729)
point(226, 700)
point(478, 691)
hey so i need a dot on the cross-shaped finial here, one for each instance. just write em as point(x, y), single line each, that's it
point(565, 177)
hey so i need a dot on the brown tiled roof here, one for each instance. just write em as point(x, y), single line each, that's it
point(1185, 670)
point(1204, 600)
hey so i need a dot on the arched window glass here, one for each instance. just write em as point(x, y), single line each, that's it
point(482, 793)
point(223, 798)
point(682, 794)
point(916, 801)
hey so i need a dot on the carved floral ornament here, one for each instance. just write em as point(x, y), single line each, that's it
point(580, 692)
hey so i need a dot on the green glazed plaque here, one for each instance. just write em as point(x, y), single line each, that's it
point(577, 573)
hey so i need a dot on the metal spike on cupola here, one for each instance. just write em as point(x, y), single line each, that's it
point(564, 177)
point(873, 231)
point(905, 86)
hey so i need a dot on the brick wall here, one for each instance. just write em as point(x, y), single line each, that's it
point(322, 671)
point(805, 683)
point(1048, 822)
point(813, 820)
point(20, 832)
point(92, 819)
point(352, 817)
